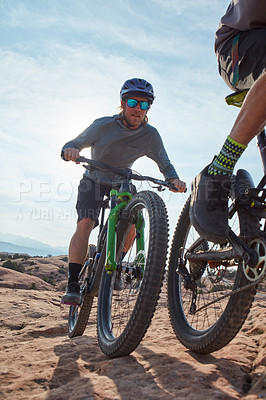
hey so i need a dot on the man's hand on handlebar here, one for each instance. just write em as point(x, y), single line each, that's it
point(178, 184)
point(71, 154)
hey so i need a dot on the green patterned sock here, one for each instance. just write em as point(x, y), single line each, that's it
point(224, 163)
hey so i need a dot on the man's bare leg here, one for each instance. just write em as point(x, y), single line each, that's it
point(77, 252)
point(79, 243)
point(252, 116)
point(211, 188)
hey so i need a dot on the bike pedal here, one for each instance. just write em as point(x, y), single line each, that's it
point(68, 303)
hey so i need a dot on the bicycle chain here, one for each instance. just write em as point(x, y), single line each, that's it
point(230, 294)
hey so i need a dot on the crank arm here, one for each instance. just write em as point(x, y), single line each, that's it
point(239, 249)
point(249, 256)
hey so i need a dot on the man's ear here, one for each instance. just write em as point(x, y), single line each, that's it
point(123, 104)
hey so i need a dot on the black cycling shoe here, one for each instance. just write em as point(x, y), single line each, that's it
point(72, 294)
point(209, 205)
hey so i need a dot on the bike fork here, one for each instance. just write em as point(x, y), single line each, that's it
point(261, 141)
point(124, 197)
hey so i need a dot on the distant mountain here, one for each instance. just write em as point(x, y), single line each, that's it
point(32, 251)
point(26, 241)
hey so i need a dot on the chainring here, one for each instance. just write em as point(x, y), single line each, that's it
point(255, 273)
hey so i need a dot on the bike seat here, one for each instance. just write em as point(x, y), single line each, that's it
point(236, 98)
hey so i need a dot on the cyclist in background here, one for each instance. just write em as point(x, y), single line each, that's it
point(240, 46)
point(118, 140)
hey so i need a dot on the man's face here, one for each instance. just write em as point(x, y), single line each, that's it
point(134, 116)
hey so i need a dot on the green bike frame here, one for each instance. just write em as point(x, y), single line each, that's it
point(110, 264)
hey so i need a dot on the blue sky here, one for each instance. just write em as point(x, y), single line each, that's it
point(62, 65)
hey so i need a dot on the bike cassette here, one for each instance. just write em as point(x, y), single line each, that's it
point(255, 273)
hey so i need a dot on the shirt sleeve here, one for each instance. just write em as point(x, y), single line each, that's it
point(157, 153)
point(84, 140)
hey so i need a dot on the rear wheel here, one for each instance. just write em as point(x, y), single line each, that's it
point(204, 311)
point(129, 295)
point(79, 315)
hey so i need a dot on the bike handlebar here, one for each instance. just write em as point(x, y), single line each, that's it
point(127, 172)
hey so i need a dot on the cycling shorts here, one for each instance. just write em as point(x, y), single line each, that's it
point(249, 59)
point(90, 198)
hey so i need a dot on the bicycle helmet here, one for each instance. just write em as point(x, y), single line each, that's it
point(137, 87)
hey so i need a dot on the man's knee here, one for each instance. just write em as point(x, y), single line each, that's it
point(263, 78)
point(85, 224)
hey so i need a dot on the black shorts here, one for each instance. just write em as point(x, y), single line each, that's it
point(90, 198)
point(251, 59)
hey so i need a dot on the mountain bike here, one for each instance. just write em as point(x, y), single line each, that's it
point(211, 287)
point(125, 269)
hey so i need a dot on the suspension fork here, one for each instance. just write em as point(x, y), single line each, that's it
point(122, 199)
point(140, 225)
point(261, 141)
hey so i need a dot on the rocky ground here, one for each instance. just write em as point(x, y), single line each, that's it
point(39, 361)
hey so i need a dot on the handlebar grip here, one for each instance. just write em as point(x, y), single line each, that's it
point(81, 159)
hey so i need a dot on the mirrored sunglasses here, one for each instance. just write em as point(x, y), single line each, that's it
point(132, 103)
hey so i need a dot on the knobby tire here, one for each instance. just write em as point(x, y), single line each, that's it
point(79, 315)
point(230, 318)
point(124, 315)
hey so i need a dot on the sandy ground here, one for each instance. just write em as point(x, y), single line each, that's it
point(39, 361)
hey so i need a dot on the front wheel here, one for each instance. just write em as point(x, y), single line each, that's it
point(129, 295)
point(208, 301)
point(79, 315)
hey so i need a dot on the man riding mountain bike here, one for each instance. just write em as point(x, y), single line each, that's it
point(118, 140)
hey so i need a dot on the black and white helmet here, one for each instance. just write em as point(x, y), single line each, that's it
point(137, 87)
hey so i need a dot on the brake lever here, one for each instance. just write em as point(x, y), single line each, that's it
point(160, 188)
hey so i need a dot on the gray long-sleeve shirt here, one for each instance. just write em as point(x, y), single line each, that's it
point(113, 143)
point(241, 15)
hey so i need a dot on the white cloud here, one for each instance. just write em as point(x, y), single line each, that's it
point(55, 82)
